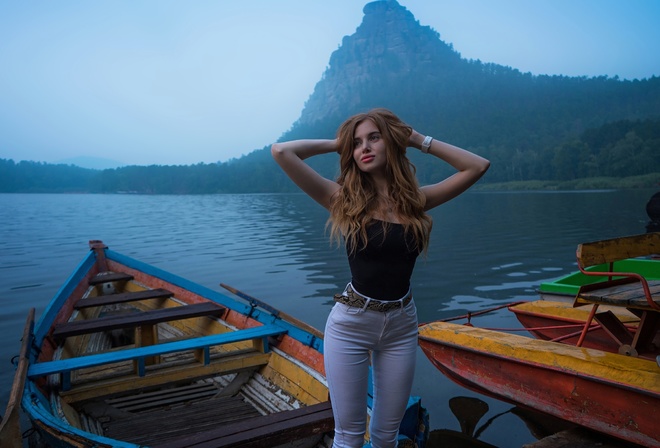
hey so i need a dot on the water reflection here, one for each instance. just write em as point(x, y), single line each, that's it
point(470, 411)
point(486, 249)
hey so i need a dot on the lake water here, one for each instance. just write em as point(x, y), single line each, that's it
point(487, 249)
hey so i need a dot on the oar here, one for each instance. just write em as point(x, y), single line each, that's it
point(468, 411)
point(275, 312)
point(10, 428)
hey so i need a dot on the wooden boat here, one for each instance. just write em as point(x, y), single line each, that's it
point(127, 355)
point(607, 392)
point(560, 321)
point(628, 269)
point(616, 392)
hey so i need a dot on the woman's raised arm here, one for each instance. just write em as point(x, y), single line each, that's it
point(290, 157)
point(470, 168)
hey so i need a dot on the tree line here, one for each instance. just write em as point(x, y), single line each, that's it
point(619, 149)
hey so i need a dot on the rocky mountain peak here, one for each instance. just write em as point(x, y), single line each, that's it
point(387, 48)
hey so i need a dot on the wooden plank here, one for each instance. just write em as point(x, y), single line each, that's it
point(615, 249)
point(112, 299)
point(267, 430)
point(614, 327)
point(630, 295)
point(649, 326)
point(67, 365)
point(146, 400)
point(112, 277)
point(147, 428)
point(300, 383)
point(107, 323)
point(171, 400)
point(163, 374)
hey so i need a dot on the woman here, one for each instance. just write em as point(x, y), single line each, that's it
point(378, 209)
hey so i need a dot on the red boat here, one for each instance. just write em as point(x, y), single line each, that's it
point(618, 311)
point(610, 393)
point(613, 388)
point(561, 322)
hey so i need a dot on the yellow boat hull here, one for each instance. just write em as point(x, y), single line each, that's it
point(607, 392)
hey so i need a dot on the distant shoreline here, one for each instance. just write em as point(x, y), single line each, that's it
point(591, 183)
point(647, 181)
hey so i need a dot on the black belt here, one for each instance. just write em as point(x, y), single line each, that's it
point(351, 298)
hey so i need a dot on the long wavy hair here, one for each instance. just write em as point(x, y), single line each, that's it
point(354, 206)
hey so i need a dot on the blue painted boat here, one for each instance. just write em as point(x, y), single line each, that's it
point(127, 355)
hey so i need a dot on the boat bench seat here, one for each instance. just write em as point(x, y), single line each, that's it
point(138, 319)
point(630, 290)
point(608, 252)
point(110, 277)
point(266, 430)
point(64, 367)
point(113, 299)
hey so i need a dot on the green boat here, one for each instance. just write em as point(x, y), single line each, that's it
point(566, 287)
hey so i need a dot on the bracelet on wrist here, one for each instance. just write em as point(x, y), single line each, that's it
point(426, 144)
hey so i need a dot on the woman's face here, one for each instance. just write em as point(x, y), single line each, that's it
point(369, 150)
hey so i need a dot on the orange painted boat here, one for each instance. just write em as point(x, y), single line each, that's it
point(611, 393)
point(128, 355)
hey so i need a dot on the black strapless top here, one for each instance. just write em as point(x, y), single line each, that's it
point(382, 269)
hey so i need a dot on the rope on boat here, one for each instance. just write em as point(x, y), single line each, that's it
point(469, 315)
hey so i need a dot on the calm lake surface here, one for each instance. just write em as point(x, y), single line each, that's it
point(487, 249)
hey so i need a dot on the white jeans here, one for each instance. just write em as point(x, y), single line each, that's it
point(351, 336)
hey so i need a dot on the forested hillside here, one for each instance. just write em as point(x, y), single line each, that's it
point(530, 127)
point(619, 149)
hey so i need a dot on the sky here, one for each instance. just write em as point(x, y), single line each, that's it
point(182, 82)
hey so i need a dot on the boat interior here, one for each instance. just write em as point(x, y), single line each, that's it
point(140, 365)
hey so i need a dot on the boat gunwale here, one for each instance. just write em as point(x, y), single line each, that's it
point(567, 315)
point(615, 362)
point(52, 310)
